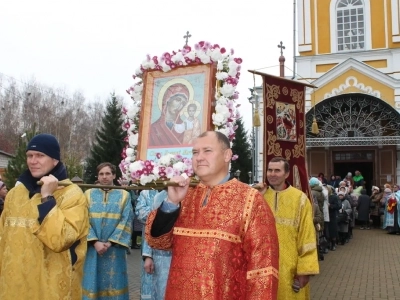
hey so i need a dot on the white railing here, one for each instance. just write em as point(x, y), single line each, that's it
point(353, 141)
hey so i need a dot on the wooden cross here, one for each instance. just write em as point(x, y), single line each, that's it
point(187, 36)
point(282, 47)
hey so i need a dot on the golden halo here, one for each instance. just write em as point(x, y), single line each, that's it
point(198, 109)
point(171, 82)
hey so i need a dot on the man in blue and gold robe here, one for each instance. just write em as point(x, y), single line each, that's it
point(110, 214)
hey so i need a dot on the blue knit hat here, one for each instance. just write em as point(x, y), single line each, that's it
point(313, 181)
point(45, 143)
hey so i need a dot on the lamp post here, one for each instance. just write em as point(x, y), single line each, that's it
point(237, 174)
point(250, 179)
point(254, 100)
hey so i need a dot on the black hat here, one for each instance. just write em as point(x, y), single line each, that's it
point(45, 143)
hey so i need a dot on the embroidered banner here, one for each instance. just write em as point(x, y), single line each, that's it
point(285, 127)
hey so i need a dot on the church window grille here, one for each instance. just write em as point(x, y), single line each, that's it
point(354, 116)
point(350, 25)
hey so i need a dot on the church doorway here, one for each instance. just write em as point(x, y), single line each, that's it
point(366, 168)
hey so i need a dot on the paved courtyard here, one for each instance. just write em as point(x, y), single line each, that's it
point(367, 268)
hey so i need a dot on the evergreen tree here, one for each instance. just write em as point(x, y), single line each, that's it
point(17, 165)
point(109, 141)
point(242, 148)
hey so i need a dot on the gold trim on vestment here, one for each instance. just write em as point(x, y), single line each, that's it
point(307, 247)
point(110, 293)
point(207, 233)
point(262, 273)
point(286, 222)
point(105, 215)
point(247, 212)
point(70, 234)
point(123, 227)
point(20, 222)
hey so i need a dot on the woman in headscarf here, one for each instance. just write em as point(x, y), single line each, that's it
point(343, 224)
point(376, 198)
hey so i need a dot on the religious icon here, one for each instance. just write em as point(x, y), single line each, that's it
point(192, 123)
point(286, 122)
point(176, 109)
point(169, 128)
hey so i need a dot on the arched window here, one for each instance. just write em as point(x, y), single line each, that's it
point(350, 25)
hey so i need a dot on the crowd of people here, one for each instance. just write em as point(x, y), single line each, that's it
point(341, 204)
point(220, 240)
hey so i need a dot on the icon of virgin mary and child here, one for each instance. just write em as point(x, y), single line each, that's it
point(170, 128)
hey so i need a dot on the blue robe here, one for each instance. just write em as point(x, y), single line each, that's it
point(110, 214)
point(152, 285)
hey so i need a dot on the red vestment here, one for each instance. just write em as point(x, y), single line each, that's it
point(226, 249)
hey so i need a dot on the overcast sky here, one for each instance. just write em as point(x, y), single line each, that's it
point(95, 46)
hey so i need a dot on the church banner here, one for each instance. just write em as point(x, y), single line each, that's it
point(285, 127)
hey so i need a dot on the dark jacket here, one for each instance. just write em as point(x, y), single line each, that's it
point(363, 206)
point(334, 207)
point(316, 191)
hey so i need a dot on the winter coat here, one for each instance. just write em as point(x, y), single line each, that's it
point(325, 210)
point(376, 199)
point(345, 205)
point(333, 210)
point(363, 206)
point(316, 191)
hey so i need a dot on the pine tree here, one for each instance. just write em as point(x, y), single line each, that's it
point(109, 140)
point(242, 148)
point(17, 165)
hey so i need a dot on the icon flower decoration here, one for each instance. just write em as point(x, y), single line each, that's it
point(224, 118)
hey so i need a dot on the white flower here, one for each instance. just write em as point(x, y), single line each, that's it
point(177, 57)
point(232, 65)
point(223, 130)
point(138, 72)
point(165, 160)
point(221, 75)
point(216, 55)
point(136, 166)
point(130, 152)
point(132, 111)
point(148, 64)
point(139, 87)
point(180, 166)
point(227, 90)
point(222, 100)
point(191, 55)
point(130, 159)
point(205, 59)
point(222, 109)
point(156, 170)
point(165, 67)
point(147, 179)
point(133, 140)
point(220, 65)
point(218, 119)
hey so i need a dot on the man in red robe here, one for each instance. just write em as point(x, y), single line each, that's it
point(222, 234)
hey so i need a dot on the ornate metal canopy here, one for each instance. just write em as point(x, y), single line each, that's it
point(353, 119)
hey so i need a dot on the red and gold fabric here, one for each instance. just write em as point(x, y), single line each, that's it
point(226, 249)
point(285, 126)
